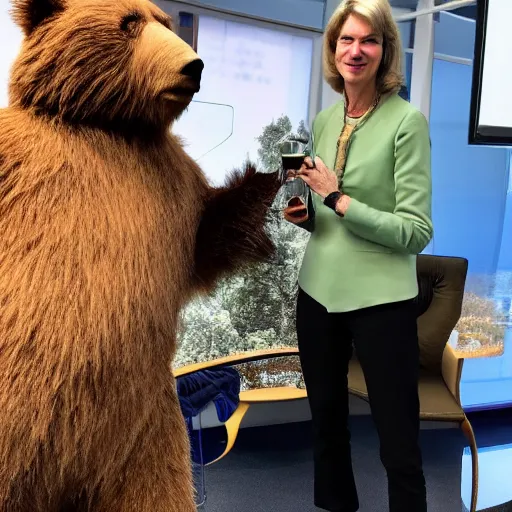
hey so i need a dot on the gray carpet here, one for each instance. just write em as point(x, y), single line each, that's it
point(270, 470)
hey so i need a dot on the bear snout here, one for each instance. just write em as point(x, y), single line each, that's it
point(194, 70)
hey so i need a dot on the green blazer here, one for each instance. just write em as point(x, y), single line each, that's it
point(368, 257)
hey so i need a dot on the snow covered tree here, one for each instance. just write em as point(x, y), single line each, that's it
point(256, 308)
point(269, 149)
point(302, 131)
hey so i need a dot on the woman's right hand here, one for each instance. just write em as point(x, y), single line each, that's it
point(291, 174)
point(307, 164)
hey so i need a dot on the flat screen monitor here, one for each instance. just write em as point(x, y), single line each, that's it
point(491, 97)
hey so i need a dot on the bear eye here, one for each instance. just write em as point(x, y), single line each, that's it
point(130, 22)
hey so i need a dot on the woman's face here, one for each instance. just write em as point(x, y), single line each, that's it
point(358, 52)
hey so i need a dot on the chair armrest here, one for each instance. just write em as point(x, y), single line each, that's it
point(244, 357)
point(451, 370)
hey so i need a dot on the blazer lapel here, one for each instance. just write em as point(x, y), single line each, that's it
point(327, 136)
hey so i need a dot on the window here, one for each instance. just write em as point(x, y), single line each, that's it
point(472, 212)
point(246, 85)
point(407, 30)
point(250, 96)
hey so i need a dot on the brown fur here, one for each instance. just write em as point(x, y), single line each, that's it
point(108, 228)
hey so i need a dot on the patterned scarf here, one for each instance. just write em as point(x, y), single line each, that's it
point(344, 140)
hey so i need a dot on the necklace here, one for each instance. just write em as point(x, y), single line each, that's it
point(364, 113)
point(358, 112)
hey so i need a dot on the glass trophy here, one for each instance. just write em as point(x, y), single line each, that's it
point(295, 192)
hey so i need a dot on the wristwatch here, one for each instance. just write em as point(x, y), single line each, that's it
point(332, 200)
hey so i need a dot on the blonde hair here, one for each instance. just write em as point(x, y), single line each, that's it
point(379, 15)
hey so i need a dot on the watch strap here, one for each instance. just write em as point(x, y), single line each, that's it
point(332, 200)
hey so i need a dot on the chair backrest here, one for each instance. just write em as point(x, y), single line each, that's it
point(441, 281)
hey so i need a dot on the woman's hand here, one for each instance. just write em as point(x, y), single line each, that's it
point(319, 178)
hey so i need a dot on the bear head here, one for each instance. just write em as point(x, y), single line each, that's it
point(112, 64)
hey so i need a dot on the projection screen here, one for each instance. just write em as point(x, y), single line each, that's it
point(491, 97)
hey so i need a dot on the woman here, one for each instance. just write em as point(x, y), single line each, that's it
point(371, 188)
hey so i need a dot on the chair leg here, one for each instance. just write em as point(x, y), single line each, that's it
point(232, 427)
point(470, 435)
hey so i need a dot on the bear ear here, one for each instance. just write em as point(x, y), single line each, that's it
point(28, 14)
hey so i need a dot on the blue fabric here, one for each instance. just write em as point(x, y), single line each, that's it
point(197, 390)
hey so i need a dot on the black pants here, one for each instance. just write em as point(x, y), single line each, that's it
point(386, 342)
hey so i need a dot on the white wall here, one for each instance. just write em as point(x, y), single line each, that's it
point(302, 12)
point(10, 40)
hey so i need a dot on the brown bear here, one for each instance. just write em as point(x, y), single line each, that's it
point(107, 228)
